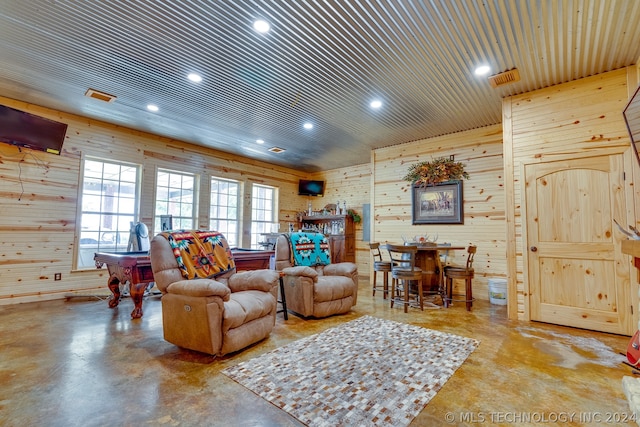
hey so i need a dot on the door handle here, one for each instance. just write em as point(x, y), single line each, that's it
point(534, 249)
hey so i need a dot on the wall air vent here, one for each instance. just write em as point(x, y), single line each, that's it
point(505, 78)
point(101, 96)
point(276, 150)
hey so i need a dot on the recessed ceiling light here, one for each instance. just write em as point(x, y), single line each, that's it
point(482, 70)
point(376, 103)
point(260, 141)
point(195, 77)
point(308, 125)
point(261, 26)
point(277, 150)
point(152, 107)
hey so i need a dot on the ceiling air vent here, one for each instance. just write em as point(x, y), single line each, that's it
point(101, 96)
point(505, 78)
point(276, 149)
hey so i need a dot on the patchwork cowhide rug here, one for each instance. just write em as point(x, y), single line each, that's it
point(367, 372)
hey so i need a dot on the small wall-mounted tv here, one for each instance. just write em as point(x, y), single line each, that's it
point(308, 187)
point(28, 130)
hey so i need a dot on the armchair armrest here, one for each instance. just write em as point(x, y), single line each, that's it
point(341, 269)
point(258, 280)
point(200, 288)
point(301, 271)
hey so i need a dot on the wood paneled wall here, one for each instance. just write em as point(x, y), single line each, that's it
point(39, 198)
point(484, 199)
point(39, 191)
point(352, 184)
point(582, 118)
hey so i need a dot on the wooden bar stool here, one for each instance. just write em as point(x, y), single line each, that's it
point(382, 266)
point(404, 270)
point(465, 273)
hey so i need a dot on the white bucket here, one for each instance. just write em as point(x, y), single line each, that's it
point(498, 291)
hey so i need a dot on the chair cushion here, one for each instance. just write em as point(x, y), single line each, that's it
point(407, 273)
point(203, 254)
point(457, 270)
point(330, 288)
point(246, 306)
point(309, 249)
point(382, 265)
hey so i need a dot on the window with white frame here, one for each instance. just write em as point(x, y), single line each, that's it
point(109, 204)
point(175, 196)
point(263, 213)
point(224, 212)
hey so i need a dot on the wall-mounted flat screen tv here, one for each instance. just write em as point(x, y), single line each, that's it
point(308, 187)
point(28, 130)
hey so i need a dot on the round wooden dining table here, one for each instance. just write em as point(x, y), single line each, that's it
point(428, 260)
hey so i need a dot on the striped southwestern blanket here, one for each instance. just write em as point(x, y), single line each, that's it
point(200, 254)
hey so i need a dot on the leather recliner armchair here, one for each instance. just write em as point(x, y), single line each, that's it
point(318, 289)
point(217, 315)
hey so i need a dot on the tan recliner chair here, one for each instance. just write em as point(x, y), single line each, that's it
point(214, 316)
point(316, 290)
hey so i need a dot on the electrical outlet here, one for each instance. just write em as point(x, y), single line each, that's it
point(57, 276)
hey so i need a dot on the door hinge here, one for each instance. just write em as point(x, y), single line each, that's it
point(631, 309)
point(624, 176)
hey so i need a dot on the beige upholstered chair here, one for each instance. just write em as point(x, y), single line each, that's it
point(320, 289)
point(214, 316)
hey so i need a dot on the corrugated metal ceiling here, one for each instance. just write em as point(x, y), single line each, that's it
point(322, 61)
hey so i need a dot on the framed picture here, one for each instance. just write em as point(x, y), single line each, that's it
point(438, 204)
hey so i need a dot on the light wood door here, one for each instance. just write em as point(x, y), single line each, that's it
point(573, 253)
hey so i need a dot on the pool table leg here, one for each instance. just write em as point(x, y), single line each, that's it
point(114, 287)
point(137, 293)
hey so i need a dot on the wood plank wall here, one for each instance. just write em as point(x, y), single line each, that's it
point(484, 199)
point(39, 191)
point(352, 184)
point(39, 198)
point(581, 118)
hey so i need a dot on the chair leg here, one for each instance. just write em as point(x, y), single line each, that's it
point(443, 289)
point(468, 295)
point(420, 295)
point(406, 295)
point(448, 291)
point(393, 293)
point(385, 279)
point(374, 283)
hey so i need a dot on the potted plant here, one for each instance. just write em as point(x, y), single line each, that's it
point(356, 217)
point(435, 171)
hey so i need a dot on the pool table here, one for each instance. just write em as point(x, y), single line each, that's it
point(135, 268)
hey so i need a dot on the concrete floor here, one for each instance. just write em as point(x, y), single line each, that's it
point(79, 363)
